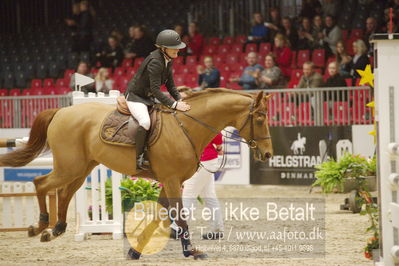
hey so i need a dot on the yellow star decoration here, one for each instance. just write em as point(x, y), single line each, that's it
point(366, 76)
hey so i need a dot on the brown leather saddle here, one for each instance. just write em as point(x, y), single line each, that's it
point(119, 127)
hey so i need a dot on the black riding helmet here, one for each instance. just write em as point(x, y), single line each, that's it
point(169, 39)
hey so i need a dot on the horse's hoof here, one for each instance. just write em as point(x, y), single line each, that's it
point(200, 256)
point(46, 236)
point(133, 254)
point(31, 231)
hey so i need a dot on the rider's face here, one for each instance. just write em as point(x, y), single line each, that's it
point(173, 53)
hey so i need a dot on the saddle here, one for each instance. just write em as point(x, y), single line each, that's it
point(119, 127)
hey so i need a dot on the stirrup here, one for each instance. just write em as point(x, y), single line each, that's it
point(142, 163)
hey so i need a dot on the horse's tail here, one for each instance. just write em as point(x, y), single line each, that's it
point(36, 144)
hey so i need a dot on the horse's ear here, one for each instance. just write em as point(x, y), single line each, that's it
point(259, 98)
point(267, 97)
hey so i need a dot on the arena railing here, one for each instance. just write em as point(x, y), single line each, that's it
point(320, 106)
point(20, 111)
point(286, 107)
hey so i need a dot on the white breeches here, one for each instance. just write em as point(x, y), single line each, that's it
point(140, 112)
point(202, 184)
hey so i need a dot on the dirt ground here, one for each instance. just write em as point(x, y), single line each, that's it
point(345, 238)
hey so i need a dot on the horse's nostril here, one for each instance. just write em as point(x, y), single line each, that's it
point(268, 155)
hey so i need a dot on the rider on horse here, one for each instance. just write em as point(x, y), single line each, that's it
point(144, 88)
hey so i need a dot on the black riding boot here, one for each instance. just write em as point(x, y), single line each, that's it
point(141, 136)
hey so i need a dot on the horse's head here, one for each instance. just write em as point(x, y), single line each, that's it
point(255, 128)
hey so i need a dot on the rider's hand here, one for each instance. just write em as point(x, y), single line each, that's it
point(182, 106)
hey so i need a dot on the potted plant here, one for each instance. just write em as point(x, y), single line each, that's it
point(133, 190)
point(350, 172)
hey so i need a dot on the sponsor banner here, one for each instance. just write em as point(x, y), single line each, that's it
point(296, 151)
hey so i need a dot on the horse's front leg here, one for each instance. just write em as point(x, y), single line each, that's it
point(173, 192)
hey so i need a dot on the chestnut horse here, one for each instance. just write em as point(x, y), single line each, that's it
point(72, 134)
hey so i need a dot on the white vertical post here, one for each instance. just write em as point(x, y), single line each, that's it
point(29, 204)
point(17, 208)
point(103, 179)
point(7, 214)
point(117, 203)
point(386, 80)
point(94, 195)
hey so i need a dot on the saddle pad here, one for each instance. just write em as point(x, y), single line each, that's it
point(120, 129)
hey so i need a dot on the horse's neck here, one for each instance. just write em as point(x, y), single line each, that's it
point(217, 110)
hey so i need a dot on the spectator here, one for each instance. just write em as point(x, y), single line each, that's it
point(275, 23)
point(140, 45)
point(343, 59)
point(247, 81)
point(184, 37)
point(85, 27)
point(360, 59)
point(195, 40)
point(129, 42)
point(103, 82)
point(335, 79)
point(330, 8)
point(283, 54)
point(118, 36)
point(371, 28)
point(83, 69)
point(289, 32)
point(112, 55)
point(310, 78)
point(332, 34)
point(259, 32)
point(271, 77)
point(317, 33)
point(310, 8)
point(73, 28)
point(209, 77)
point(305, 35)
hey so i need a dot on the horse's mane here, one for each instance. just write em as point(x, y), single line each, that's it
point(210, 91)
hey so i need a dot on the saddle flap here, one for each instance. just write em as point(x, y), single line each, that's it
point(122, 105)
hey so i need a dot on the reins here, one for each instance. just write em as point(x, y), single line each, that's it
point(251, 143)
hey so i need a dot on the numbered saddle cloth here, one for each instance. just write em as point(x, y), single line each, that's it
point(120, 128)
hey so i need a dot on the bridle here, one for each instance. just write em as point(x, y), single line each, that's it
point(252, 143)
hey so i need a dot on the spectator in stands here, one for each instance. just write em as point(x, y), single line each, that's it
point(360, 59)
point(271, 77)
point(310, 8)
point(310, 78)
point(73, 28)
point(275, 23)
point(83, 69)
point(289, 32)
point(208, 77)
point(371, 28)
point(140, 45)
point(129, 42)
point(85, 27)
point(332, 34)
point(343, 59)
point(330, 8)
point(195, 41)
point(112, 55)
point(183, 36)
point(317, 33)
point(259, 31)
point(283, 54)
point(247, 81)
point(335, 79)
point(103, 82)
point(305, 35)
point(118, 36)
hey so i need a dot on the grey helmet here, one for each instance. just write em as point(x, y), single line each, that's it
point(169, 39)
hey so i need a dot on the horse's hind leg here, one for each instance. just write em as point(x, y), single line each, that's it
point(65, 195)
point(43, 184)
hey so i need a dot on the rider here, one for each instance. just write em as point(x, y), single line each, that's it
point(144, 88)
